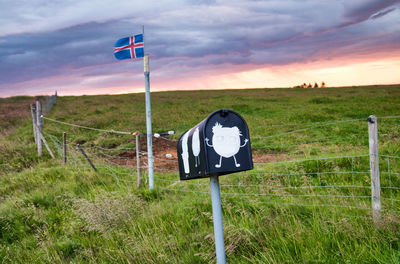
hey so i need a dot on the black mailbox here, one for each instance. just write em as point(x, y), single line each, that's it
point(219, 145)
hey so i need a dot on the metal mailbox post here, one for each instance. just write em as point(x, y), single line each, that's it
point(218, 145)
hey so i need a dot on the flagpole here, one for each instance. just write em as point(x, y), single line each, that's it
point(143, 37)
point(148, 119)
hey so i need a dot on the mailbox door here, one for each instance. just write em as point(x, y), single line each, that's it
point(191, 154)
point(227, 142)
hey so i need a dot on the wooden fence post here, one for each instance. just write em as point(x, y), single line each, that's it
point(39, 127)
point(86, 157)
point(374, 167)
point(41, 137)
point(33, 112)
point(65, 147)
point(138, 169)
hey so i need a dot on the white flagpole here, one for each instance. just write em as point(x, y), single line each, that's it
point(148, 118)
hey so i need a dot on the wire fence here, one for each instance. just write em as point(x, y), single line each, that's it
point(333, 181)
point(111, 131)
point(338, 181)
point(342, 181)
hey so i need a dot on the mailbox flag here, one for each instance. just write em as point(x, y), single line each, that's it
point(129, 47)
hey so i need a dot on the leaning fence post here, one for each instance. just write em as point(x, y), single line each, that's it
point(65, 147)
point(41, 138)
point(139, 173)
point(33, 112)
point(86, 157)
point(374, 167)
point(39, 127)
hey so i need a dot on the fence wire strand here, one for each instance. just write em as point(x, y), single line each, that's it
point(91, 128)
point(256, 184)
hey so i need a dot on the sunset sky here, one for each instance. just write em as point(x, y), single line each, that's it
point(67, 45)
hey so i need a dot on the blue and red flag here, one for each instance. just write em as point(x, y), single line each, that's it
point(129, 47)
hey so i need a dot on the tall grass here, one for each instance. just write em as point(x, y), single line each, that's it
point(55, 213)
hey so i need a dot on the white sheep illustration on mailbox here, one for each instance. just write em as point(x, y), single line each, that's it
point(226, 142)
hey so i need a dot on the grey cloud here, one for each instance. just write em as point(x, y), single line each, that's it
point(361, 10)
point(383, 13)
point(200, 35)
point(35, 16)
point(30, 56)
point(202, 2)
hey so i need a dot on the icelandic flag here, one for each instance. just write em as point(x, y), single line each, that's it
point(129, 47)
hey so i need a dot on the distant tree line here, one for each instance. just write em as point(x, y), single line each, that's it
point(309, 85)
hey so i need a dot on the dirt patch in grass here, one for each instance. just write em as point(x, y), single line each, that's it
point(166, 159)
point(162, 161)
point(268, 157)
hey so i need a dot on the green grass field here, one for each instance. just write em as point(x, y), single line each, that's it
point(314, 209)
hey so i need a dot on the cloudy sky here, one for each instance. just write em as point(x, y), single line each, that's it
point(67, 45)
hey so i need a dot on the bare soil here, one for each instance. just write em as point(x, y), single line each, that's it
point(164, 146)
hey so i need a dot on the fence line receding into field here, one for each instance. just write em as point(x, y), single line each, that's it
point(342, 181)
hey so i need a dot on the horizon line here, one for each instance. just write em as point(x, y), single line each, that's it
point(191, 90)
